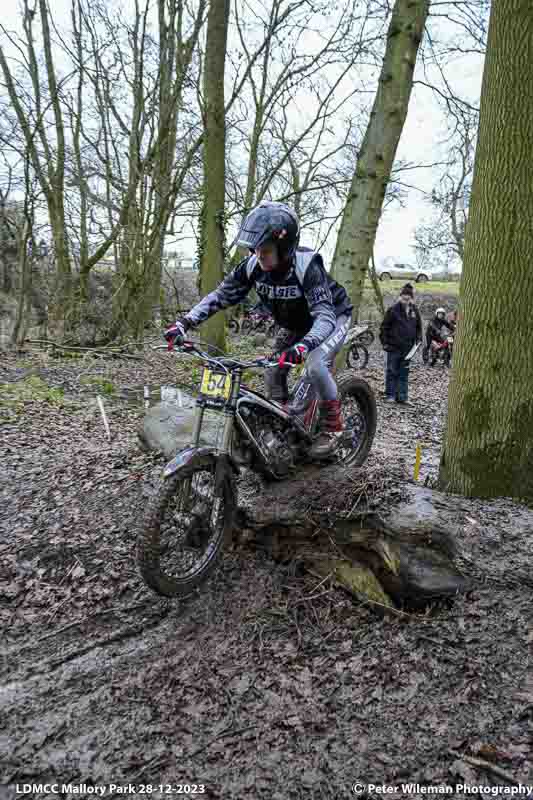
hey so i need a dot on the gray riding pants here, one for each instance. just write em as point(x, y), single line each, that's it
point(317, 364)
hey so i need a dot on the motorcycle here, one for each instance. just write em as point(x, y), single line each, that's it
point(365, 334)
point(357, 353)
point(190, 517)
point(257, 322)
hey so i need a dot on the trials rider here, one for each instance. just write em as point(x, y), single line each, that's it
point(313, 311)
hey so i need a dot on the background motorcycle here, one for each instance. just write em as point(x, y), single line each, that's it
point(365, 334)
point(190, 516)
point(442, 350)
point(357, 354)
point(257, 322)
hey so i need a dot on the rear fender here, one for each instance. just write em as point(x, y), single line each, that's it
point(189, 459)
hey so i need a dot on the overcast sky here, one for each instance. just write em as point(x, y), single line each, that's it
point(423, 131)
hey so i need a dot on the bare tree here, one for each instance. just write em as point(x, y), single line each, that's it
point(284, 149)
point(355, 242)
point(43, 129)
point(442, 236)
point(104, 140)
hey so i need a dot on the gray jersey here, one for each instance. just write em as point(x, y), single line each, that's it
point(304, 299)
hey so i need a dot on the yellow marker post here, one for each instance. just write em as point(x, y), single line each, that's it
point(418, 458)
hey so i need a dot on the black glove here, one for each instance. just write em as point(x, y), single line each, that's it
point(176, 333)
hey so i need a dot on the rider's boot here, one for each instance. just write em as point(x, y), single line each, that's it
point(331, 428)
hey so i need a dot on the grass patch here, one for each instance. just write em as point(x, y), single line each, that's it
point(104, 385)
point(14, 396)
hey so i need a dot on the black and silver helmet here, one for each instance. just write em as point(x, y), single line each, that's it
point(270, 222)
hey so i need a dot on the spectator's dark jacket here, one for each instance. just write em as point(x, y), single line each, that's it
point(401, 328)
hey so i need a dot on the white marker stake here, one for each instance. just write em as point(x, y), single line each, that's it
point(104, 416)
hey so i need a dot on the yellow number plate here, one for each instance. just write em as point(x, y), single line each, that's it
point(216, 385)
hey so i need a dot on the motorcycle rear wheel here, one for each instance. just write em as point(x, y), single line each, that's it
point(360, 418)
point(183, 531)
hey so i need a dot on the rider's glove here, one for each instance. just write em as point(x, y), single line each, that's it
point(176, 333)
point(294, 355)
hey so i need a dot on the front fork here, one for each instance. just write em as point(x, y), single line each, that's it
point(223, 463)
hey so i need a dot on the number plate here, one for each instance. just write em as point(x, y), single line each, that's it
point(216, 384)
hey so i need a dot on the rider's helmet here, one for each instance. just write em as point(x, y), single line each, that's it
point(440, 313)
point(271, 222)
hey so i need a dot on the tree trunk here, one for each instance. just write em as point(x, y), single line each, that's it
point(378, 294)
point(63, 295)
point(488, 448)
point(165, 154)
point(25, 268)
point(357, 233)
point(212, 233)
point(56, 178)
point(132, 305)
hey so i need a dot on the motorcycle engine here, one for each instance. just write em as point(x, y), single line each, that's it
point(280, 456)
point(271, 439)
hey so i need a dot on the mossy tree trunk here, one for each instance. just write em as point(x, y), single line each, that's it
point(212, 233)
point(488, 448)
point(357, 233)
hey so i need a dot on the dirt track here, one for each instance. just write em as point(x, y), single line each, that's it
point(263, 686)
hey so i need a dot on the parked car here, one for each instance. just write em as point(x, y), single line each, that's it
point(401, 272)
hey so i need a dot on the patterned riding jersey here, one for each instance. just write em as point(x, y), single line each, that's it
point(304, 299)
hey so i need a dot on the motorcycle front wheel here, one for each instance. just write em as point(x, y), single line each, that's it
point(359, 412)
point(357, 356)
point(183, 531)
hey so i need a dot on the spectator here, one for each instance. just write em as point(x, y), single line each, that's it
point(400, 330)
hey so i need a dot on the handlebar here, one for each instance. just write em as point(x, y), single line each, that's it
point(228, 364)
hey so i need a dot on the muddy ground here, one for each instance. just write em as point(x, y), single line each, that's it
point(263, 686)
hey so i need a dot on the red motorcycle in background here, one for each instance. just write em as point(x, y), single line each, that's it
point(442, 350)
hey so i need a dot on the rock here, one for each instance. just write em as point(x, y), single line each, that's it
point(168, 428)
point(405, 557)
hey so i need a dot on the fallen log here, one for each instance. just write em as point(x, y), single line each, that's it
point(102, 352)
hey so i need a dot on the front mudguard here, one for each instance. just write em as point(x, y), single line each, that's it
point(188, 460)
